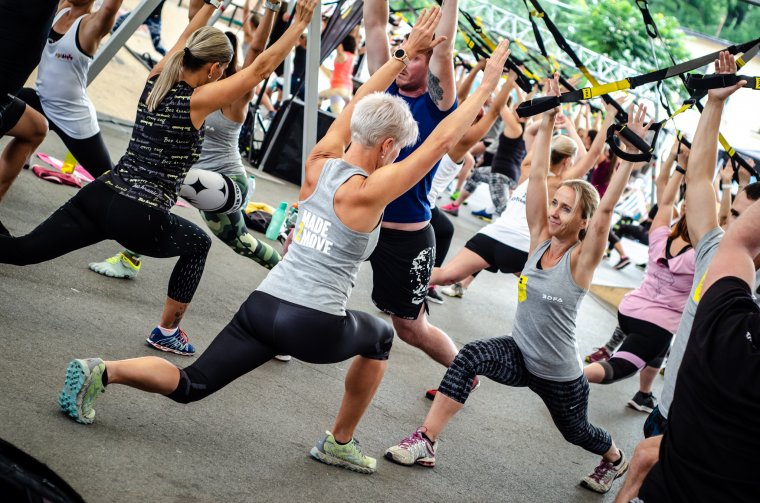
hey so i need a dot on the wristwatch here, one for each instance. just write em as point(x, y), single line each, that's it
point(273, 6)
point(215, 4)
point(400, 54)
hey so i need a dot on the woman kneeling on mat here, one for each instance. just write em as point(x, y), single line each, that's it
point(568, 236)
point(131, 203)
point(341, 203)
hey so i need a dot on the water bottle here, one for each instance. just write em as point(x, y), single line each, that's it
point(277, 220)
point(251, 188)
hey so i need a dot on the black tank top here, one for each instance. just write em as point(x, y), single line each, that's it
point(509, 156)
point(163, 147)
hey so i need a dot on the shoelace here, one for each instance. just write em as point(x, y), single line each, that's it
point(182, 336)
point(601, 470)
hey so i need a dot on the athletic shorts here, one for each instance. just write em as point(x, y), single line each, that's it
point(11, 110)
point(501, 257)
point(402, 264)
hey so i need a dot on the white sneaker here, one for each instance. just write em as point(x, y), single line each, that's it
point(283, 358)
point(454, 290)
point(118, 266)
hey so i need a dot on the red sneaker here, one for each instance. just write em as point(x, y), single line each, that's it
point(430, 394)
point(600, 355)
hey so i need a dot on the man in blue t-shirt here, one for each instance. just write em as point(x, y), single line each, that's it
point(403, 260)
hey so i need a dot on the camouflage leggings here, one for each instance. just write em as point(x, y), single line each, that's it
point(231, 229)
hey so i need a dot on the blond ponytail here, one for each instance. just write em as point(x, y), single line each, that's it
point(206, 45)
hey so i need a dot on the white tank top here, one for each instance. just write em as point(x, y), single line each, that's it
point(447, 171)
point(62, 84)
point(511, 228)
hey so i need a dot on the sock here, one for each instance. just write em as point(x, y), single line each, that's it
point(620, 460)
point(424, 435)
point(104, 378)
point(342, 443)
point(166, 332)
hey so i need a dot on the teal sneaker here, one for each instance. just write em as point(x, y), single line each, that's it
point(118, 266)
point(84, 382)
point(347, 456)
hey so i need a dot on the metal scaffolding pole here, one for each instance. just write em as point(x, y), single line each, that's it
point(216, 15)
point(120, 37)
point(310, 109)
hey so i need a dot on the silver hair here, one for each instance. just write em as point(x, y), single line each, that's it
point(378, 116)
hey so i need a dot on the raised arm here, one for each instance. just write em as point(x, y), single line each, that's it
point(700, 196)
point(464, 87)
point(537, 198)
point(199, 17)
point(441, 82)
point(667, 166)
point(588, 160)
point(737, 250)
point(97, 25)
point(591, 250)
point(376, 14)
point(215, 95)
point(667, 199)
point(261, 35)
point(479, 129)
point(388, 183)
point(337, 138)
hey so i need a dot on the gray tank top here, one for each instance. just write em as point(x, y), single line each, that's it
point(544, 328)
point(219, 152)
point(319, 270)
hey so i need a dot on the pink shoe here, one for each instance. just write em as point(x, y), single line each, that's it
point(600, 355)
point(451, 209)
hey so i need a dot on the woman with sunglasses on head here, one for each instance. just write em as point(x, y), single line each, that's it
point(649, 315)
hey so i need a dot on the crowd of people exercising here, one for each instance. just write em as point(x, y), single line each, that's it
point(370, 192)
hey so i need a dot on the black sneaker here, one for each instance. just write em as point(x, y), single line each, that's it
point(434, 296)
point(643, 402)
point(624, 261)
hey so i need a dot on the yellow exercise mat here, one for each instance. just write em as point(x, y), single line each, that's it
point(253, 206)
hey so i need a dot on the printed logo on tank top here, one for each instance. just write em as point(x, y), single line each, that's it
point(313, 232)
point(551, 298)
point(65, 57)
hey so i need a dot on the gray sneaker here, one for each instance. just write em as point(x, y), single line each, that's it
point(84, 382)
point(349, 456)
point(454, 290)
point(605, 474)
point(413, 449)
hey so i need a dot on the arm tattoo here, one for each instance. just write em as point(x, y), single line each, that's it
point(434, 88)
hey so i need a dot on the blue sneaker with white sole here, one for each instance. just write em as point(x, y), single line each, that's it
point(174, 343)
point(84, 382)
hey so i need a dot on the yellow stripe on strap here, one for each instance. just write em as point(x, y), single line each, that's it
point(728, 148)
point(591, 92)
point(757, 82)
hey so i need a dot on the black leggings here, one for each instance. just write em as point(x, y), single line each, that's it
point(90, 152)
point(444, 232)
point(265, 326)
point(97, 213)
point(645, 344)
point(501, 360)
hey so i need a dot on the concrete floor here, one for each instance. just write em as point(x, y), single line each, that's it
point(250, 441)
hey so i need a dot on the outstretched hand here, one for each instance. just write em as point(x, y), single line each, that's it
point(422, 38)
point(305, 11)
point(636, 117)
point(551, 88)
point(495, 66)
point(725, 64)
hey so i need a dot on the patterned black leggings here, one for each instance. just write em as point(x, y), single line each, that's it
point(501, 360)
point(97, 213)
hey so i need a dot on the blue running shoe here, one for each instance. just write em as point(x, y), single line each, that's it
point(84, 382)
point(174, 343)
point(483, 215)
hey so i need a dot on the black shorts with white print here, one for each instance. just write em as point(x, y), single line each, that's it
point(401, 267)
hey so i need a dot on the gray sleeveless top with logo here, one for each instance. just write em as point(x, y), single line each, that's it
point(544, 328)
point(319, 270)
point(220, 151)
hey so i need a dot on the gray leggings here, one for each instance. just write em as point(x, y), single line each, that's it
point(501, 360)
point(498, 185)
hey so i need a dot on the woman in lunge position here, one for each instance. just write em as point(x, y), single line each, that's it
point(131, 203)
point(218, 184)
point(342, 197)
point(568, 237)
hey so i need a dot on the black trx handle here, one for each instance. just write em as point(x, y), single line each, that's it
point(717, 80)
point(537, 106)
point(632, 138)
point(651, 26)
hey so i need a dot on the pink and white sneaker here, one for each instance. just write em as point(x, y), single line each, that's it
point(413, 449)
